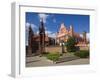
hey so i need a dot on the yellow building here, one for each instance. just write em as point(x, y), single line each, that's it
point(64, 33)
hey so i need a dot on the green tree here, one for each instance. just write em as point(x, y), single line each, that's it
point(70, 44)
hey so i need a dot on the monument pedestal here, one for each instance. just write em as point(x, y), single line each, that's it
point(29, 52)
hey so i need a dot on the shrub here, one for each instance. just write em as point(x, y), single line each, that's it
point(82, 53)
point(45, 53)
point(53, 56)
point(70, 44)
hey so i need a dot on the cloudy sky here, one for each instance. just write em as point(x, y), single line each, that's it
point(52, 22)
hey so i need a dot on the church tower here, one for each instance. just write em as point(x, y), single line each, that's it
point(63, 29)
point(71, 30)
point(42, 37)
point(84, 36)
point(31, 34)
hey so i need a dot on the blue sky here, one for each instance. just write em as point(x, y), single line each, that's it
point(52, 22)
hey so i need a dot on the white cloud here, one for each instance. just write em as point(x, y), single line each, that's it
point(81, 35)
point(33, 26)
point(26, 38)
point(88, 36)
point(27, 24)
point(50, 34)
point(53, 35)
point(37, 32)
point(43, 16)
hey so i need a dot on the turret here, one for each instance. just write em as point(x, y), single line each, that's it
point(84, 36)
point(71, 30)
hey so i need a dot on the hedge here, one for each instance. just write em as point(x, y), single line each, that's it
point(82, 53)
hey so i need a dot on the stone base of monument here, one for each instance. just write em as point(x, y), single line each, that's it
point(29, 53)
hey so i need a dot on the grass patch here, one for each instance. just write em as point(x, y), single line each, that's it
point(53, 56)
point(82, 53)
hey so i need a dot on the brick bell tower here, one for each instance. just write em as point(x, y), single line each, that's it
point(31, 34)
point(41, 37)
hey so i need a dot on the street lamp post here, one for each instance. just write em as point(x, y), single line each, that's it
point(62, 47)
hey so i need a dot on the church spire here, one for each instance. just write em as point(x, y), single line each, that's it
point(30, 37)
point(41, 28)
point(71, 30)
point(42, 37)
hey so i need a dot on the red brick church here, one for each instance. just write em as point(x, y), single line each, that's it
point(38, 42)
